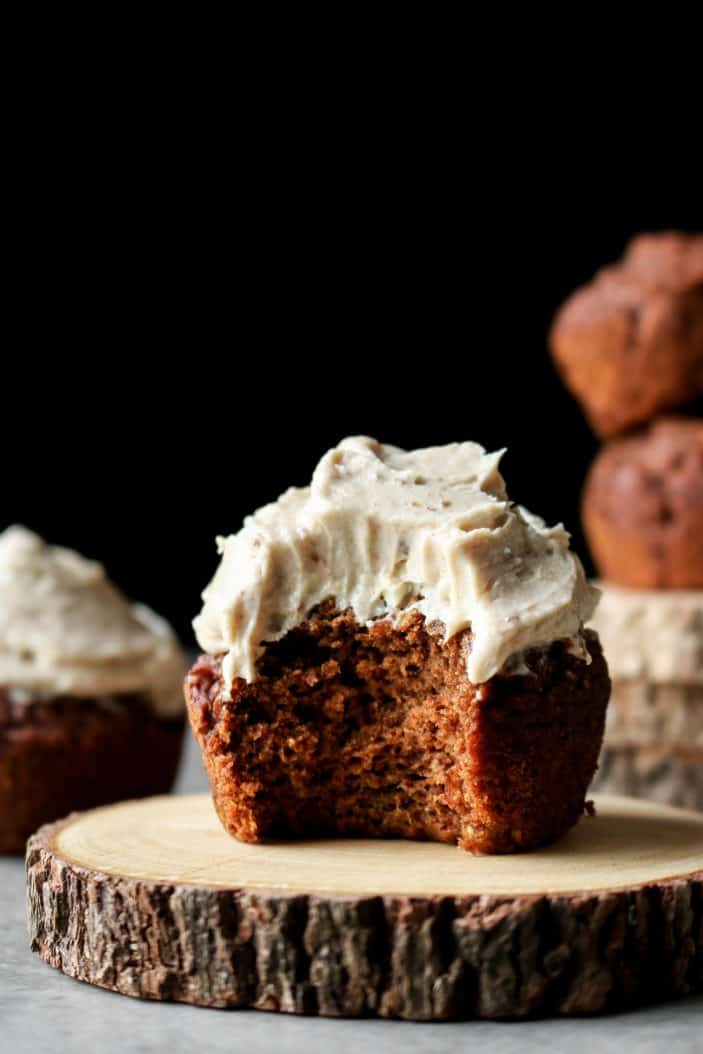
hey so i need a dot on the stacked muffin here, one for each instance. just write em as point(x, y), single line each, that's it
point(630, 348)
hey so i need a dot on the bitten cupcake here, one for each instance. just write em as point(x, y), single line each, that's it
point(397, 650)
point(91, 704)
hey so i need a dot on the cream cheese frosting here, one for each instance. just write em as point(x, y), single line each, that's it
point(66, 630)
point(384, 531)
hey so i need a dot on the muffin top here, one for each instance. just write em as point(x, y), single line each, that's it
point(651, 480)
point(668, 260)
point(643, 507)
point(65, 630)
point(653, 263)
point(385, 531)
point(629, 344)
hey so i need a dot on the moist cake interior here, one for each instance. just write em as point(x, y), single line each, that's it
point(376, 731)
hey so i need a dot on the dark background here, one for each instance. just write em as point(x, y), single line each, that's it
point(191, 328)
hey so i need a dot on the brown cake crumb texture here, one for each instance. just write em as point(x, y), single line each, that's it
point(629, 345)
point(643, 507)
point(65, 754)
point(376, 731)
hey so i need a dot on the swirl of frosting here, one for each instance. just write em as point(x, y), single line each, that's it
point(66, 630)
point(384, 531)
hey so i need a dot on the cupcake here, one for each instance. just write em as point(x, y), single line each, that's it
point(397, 650)
point(643, 507)
point(629, 345)
point(91, 704)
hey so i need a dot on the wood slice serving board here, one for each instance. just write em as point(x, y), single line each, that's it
point(153, 899)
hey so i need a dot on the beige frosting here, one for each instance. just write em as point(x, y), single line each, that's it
point(654, 635)
point(66, 630)
point(384, 531)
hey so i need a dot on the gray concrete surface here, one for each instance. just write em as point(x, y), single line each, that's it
point(41, 1010)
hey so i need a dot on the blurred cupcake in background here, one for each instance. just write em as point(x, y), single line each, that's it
point(643, 517)
point(91, 704)
point(629, 346)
